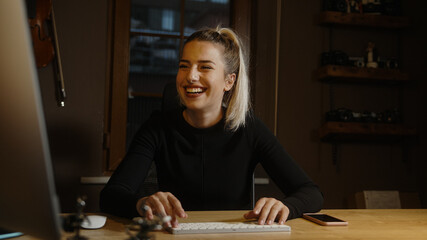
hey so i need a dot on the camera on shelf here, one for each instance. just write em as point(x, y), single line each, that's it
point(388, 63)
point(347, 115)
point(338, 57)
point(356, 61)
point(335, 57)
point(368, 116)
point(386, 7)
point(335, 5)
point(391, 116)
point(340, 115)
point(372, 6)
point(391, 7)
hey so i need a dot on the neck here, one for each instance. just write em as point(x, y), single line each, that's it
point(199, 119)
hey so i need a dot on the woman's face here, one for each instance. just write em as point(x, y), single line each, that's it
point(201, 80)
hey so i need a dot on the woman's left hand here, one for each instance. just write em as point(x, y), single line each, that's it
point(268, 210)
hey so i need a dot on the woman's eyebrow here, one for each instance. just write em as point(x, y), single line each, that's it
point(207, 61)
point(200, 61)
point(184, 61)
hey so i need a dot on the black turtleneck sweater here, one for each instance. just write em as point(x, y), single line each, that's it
point(207, 169)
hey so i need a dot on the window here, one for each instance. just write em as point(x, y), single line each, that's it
point(146, 38)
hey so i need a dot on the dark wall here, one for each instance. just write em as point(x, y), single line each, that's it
point(76, 130)
point(414, 54)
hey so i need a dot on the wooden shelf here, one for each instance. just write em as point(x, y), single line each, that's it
point(355, 131)
point(367, 20)
point(358, 131)
point(357, 74)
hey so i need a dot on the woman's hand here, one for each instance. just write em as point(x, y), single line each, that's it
point(163, 204)
point(268, 210)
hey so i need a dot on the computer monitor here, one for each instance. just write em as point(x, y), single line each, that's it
point(28, 201)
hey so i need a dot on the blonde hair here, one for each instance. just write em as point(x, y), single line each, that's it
point(237, 99)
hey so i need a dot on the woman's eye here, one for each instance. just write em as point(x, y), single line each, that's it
point(207, 67)
point(183, 66)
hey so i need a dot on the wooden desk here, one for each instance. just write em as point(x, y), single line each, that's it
point(363, 224)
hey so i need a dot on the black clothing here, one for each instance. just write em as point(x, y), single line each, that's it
point(207, 169)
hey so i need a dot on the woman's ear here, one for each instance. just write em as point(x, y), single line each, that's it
point(229, 81)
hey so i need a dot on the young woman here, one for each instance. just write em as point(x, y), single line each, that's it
point(205, 152)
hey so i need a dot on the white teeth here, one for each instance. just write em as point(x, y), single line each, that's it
point(194, 90)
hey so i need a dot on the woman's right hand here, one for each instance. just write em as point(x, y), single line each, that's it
point(162, 204)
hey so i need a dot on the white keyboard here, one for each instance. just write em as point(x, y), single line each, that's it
point(225, 227)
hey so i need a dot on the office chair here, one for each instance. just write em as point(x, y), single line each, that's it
point(380, 199)
point(170, 98)
point(170, 101)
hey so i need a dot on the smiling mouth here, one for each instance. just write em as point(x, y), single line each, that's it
point(194, 90)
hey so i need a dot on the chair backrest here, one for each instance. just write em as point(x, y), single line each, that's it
point(170, 98)
point(170, 101)
point(386, 200)
point(378, 200)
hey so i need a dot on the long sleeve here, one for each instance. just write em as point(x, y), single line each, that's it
point(302, 195)
point(207, 169)
point(120, 195)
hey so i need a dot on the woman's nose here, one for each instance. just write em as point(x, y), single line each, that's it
point(193, 75)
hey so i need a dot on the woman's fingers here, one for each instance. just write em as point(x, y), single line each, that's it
point(265, 211)
point(275, 212)
point(176, 206)
point(257, 209)
point(268, 210)
point(158, 204)
point(284, 215)
point(162, 204)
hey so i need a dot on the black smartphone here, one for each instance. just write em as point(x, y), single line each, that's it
point(324, 219)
